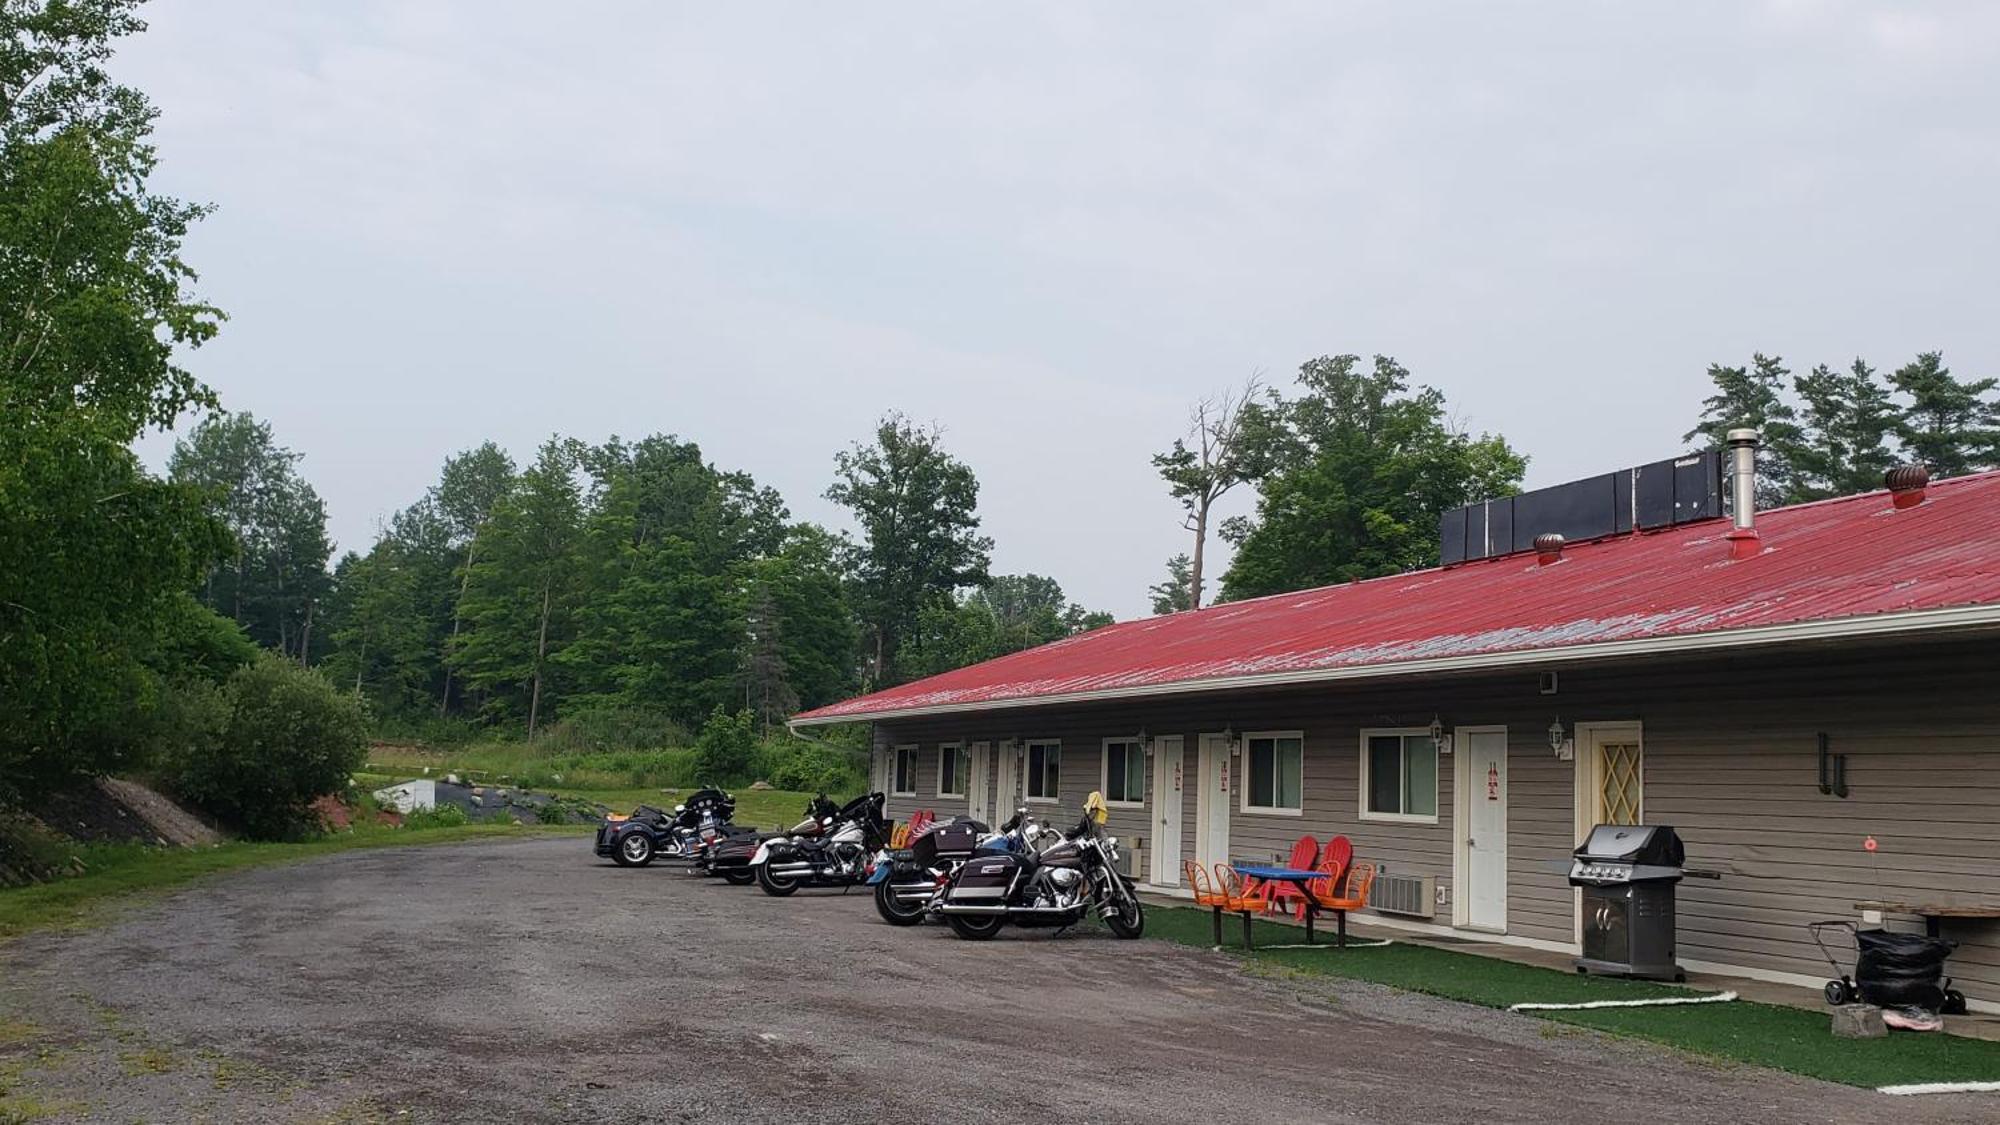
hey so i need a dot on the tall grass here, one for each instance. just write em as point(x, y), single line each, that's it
point(535, 768)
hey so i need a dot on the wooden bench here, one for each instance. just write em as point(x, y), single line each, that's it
point(1934, 912)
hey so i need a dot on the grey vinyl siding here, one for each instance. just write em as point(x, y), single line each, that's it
point(1731, 761)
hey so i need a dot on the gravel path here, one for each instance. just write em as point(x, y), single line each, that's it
point(527, 982)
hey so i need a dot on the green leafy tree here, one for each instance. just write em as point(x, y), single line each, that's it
point(282, 737)
point(1176, 594)
point(917, 507)
point(1363, 469)
point(1754, 396)
point(1010, 613)
point(467, 493)
point(520, 602)
point(726, 748)
point(1847, 422)
point(95, 304)
point(1950, 425)
point(817, 635)
point(278, 578)
point(767, 688)
point(1230, 440)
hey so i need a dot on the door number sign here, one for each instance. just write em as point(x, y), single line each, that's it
point(1493, 782)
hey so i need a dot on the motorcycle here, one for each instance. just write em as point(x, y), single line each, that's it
point(729, 856)
point(651, 833)
point(840, 854)
point(906, 880)
point(1056, 887)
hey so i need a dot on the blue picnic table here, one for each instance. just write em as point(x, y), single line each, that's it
point(1300, 878)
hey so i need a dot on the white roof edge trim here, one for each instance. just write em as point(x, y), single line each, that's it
point(1927, 620)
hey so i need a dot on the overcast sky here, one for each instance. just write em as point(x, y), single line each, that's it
point(1049, 228)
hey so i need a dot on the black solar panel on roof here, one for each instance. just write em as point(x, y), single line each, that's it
point(1661, 494)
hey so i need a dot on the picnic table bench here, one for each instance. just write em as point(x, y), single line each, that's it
point(1934, 912)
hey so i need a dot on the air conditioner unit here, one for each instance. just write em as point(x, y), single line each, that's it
point(1132, 863)
point(1414, 895)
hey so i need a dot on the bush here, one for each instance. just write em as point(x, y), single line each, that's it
point(441, 816)
point(811, 769)
point(552, 813)
point(727, 748)
point(281, 737)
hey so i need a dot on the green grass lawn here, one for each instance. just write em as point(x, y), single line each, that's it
point(116, 873)
point(1791, 1039)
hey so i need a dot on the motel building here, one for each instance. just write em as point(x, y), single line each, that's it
point(1809, 696)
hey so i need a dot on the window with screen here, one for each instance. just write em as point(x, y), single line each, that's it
point(1399, 775)
point(1124, 771)
point(1274, 772)
point(1044, 771)
point(903, 774)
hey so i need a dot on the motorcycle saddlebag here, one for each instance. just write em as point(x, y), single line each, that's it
point(954, 841)
point(985, 880)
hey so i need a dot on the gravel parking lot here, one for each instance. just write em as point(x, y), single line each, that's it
point(528, 982)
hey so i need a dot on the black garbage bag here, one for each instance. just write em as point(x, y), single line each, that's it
point(1901, 970)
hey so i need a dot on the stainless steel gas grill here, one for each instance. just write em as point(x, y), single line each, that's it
point(1628, 873)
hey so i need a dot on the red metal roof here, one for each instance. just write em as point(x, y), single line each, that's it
point(1830, 568)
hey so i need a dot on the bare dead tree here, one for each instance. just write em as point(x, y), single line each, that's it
point(1227, 443)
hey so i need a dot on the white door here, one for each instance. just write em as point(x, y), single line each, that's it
point(1483, 757)
point(1211, 804)
point(1167, 807)
point(978, 795)
point(1007, 785)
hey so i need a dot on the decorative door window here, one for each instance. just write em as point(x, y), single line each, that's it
point(1620, 773)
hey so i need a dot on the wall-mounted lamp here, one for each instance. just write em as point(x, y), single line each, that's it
point(1559, 741)
point(1145, 742)
point(1437, 731)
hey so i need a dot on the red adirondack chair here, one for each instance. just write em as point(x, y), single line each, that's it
point(1286, 896)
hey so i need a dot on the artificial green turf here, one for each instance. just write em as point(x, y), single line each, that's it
point(1790, 1039)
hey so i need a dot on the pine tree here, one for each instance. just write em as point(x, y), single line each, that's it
point(1949, 425)
point(1848, 420)
point(1754, 397)
point(1175, 594)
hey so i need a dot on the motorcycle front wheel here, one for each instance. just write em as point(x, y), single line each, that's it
point(893, 909)
point(1127, 917)
point(976, 927)
point(777, 886)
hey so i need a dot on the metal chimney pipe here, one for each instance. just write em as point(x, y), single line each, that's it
point(1743, 539)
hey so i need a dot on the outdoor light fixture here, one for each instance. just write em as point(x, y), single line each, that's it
point(1229, 740)
point(1145, 742)
point(1559, 740)
point(1437, 731)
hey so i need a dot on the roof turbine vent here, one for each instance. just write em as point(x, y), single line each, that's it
point(1906, 484)
point(1743, 538)
point(1548, 548)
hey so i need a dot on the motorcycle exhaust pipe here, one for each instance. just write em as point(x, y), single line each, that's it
point(948, 908)
point(791, 868)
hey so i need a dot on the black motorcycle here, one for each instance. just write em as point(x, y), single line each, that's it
point(651, 833)
point(840, 855)
point(907, 879)
point(1055, 887)
point(729, 855)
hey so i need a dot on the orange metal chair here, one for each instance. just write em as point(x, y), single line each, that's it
point(1238, 895)
point(1338, 901)
point(1287, 896)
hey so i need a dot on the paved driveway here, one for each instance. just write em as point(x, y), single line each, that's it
point(527, 982)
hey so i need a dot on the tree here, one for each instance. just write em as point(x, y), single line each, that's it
point(519, 604)
point(1949, 425)
point(467, 492)
point(1176, 594)
point(1754, 397)
point(278, 576)
point(1362, 471)
point(95, 304)
point(1847, 421)
point(1010, 613)
point(816, 634)
point(917, 508)
point(1229, 441)
point(767, 692)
